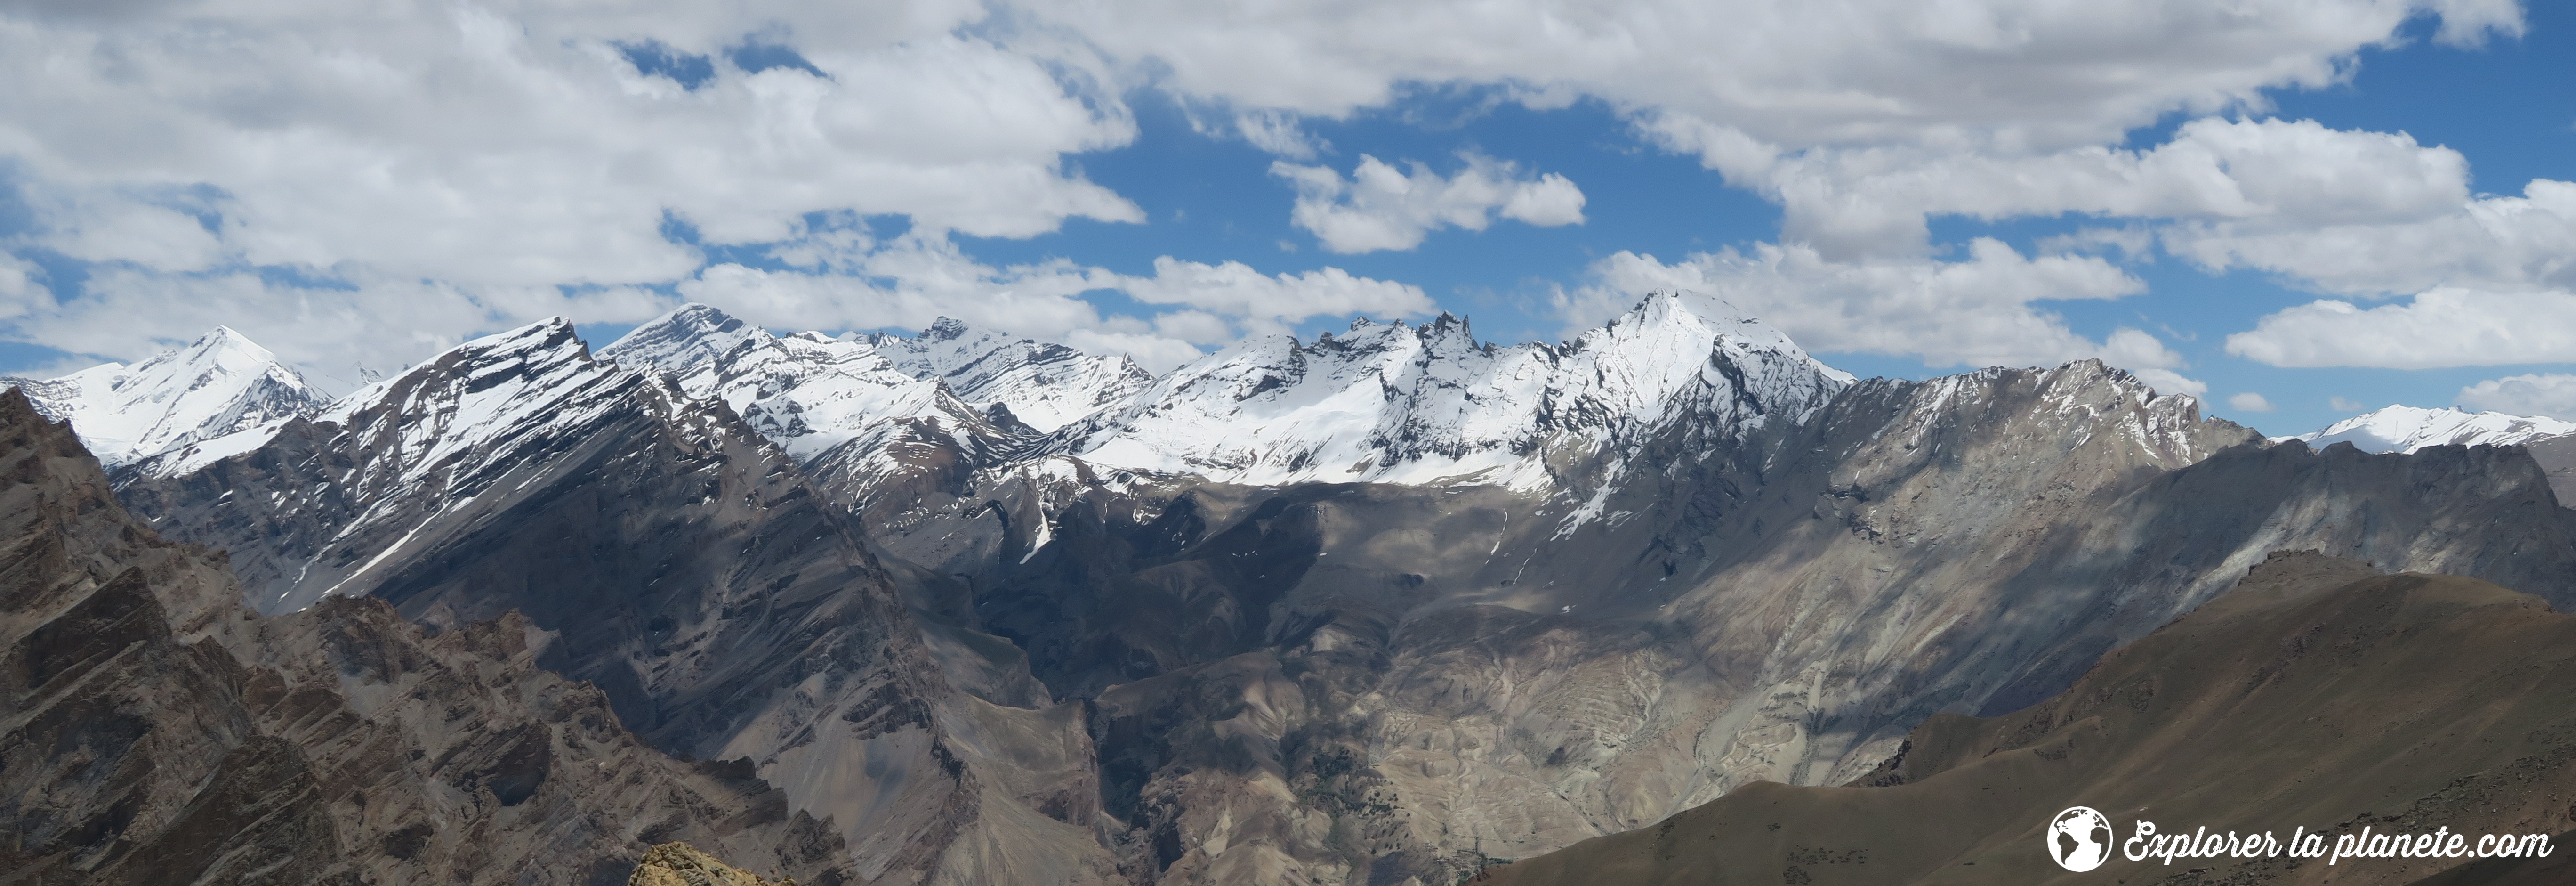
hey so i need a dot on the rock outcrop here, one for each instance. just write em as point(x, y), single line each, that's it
point(679, 864)
point(156, 730)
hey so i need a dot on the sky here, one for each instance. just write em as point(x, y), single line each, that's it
point(2294, 209)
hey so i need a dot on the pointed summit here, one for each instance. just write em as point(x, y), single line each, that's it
point(689, 335)
point(1402, 403)
point(219, 384)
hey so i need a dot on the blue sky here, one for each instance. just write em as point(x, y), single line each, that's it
point(2320, 204)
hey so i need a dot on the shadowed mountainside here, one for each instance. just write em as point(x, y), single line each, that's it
point(154, 730)
point(2317, 694)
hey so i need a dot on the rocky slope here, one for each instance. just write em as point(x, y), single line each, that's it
point(679, 864)
point(2316, 695)
point(684, 567)
point(155, 731)
point(220, 384)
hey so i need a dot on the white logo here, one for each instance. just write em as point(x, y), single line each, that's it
point(2079, 839)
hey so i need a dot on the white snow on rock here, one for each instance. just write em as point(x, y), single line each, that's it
point(2409, 428)
point(219, 386)
point(1429, 404)
point(812, 393)
point(1045, 386)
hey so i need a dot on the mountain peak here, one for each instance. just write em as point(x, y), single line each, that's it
point(689, 335)
point(219, 384)
point(2400, 428)
point(1399, 403)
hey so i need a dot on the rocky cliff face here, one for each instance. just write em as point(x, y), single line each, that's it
point(2315, 696)
point(683, 566)
point(157, 731)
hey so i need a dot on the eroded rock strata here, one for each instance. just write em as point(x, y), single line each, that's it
point(158, 731)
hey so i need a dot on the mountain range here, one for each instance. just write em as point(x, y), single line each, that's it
point(1387, 606)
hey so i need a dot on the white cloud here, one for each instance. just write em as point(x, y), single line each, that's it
point(1977, 312)
point(443, 168)
point(2249, 401)
point(2552, 395)
point(2440, 327)
point(1278, 132)
point(1380, 207)
point(2487, 242)
point(2261, 175)
point(21, 288)
point(2342, 404)
point(2020, 76)
point(512, 144)
point(1236, 290)
point(107, 228)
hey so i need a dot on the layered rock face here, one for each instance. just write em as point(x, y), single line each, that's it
point(685, 568)
point(2316, 695)
point(157, 731)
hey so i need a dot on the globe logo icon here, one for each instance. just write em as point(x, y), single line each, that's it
point(2079, 839)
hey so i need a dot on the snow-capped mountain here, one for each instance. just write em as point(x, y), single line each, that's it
point(725, 606)
point(812, 392)
point(1045, 386)
point(1429, 403)
point(2409, 428)
point(491, 415)
point(219, 385)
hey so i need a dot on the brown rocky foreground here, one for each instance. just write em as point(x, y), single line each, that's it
point(679, 864)
point(2317, 694)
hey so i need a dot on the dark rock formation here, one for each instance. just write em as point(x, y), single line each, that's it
point(681, 564)
point(157, 731)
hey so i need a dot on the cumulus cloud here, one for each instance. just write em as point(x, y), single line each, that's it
point(2488, 242)
point(1739, 77)
point(2552, 395)
point(1976, 312)
point(425, 171)
point(516, 144)
point(1236, 290)
point(2249, 401)
point(2259, 175)
point(1381, 207)
point(2448, 326)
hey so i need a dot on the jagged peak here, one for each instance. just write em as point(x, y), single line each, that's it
point(547, 334)
point(688, 335)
